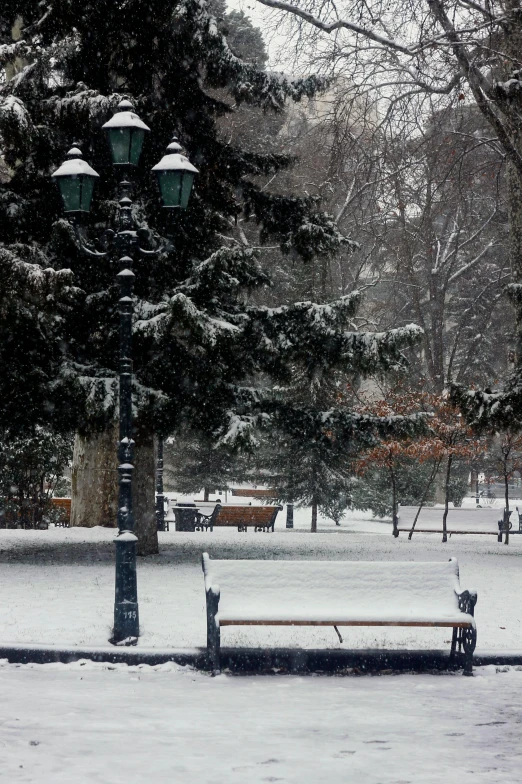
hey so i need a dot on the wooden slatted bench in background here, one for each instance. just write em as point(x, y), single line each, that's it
point(64, 505)
point(252, 492)
point(338, 593)
point(261, 518)
point(440, 531)
point(462, 522)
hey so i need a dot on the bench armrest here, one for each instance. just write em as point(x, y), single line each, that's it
point(467, 601)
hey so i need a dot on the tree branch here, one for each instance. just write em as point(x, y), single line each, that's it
point(280, 5)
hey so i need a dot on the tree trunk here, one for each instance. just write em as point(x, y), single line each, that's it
point(474, 485)
point(314, 517)
point(513, 35)
point(143, 493)
point(12, 68)
point(515, 245)
point(424, 496)
point(95, 485)
point(506, 509)
point(446, 500)
point(95, 480)
point(206, 493)
point(440, 489)
point(395, 519)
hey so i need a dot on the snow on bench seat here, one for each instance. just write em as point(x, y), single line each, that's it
point(335, 593)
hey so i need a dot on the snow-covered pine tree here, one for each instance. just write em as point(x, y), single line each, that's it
point(193, 463)
point(194, 343)
point(244, 40)
point(32, 465)
point(198, 345)
point(319, 431)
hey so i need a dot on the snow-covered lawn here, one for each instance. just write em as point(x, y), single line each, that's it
point(57, 586)
point(88, 723)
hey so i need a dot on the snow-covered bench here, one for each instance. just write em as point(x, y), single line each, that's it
point(338, 593)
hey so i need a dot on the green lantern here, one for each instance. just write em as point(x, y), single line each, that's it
point(126, 133)
point(175, 176)
point(75, 180)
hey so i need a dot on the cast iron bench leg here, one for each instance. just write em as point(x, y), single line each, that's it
point(213, 630)
point(469, 641)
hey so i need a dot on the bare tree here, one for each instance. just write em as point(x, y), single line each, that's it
point(446, 243)
point(406, 55)
point(427, 205)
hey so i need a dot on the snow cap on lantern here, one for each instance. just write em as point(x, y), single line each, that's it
point(175, 176)
point(75, 180)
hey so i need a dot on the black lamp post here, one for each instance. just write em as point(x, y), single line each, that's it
point(160, 498)
point(75, 178)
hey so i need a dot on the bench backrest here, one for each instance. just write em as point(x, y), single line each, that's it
point(428, 586)
point(244, 515)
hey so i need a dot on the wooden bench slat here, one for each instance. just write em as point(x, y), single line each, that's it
point(268, 622)
point(251, 493)
point(449, 532)
point(241, 516)
point(235, 514)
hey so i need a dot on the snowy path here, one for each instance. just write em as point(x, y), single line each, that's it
point(57, 586)
point(97, 725)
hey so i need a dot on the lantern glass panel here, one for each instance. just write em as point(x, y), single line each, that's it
point(86, 193)
point(170, 187)
point(70, 189)
point(137, 137)
point(120, 141)
point(186, 188)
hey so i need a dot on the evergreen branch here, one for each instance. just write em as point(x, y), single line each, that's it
point(90, 105)
point(9, 53)
point(32, 282)
point(245, 82)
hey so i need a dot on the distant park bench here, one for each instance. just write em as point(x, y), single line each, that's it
point(449, 532)
point(63, 505)
point(254, 493)
point(261, 518)
point(338, 593)
point(503, 529)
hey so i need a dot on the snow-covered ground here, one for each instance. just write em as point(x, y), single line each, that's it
point(57, 586)
point(88, 723)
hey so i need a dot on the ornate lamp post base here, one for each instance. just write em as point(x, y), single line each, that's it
point(126, 615)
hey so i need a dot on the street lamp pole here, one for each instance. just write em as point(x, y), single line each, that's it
point(75, 178)
point(126, 615)
point(160, 498)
